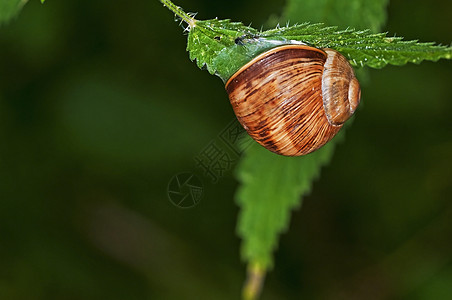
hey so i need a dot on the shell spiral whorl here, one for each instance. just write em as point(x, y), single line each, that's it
point(293, 99)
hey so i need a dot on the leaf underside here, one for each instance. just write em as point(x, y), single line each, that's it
point(271, 187)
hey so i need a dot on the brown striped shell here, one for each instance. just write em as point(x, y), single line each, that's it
point(293, 99)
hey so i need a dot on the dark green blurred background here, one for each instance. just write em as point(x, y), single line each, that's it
point(100, 107)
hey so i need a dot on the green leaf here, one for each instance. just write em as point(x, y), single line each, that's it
point(270, 187)
point(9, 9)
point(223, 46)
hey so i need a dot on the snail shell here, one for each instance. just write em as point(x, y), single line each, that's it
point(293, 99)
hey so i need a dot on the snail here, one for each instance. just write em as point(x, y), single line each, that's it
point(293, 99)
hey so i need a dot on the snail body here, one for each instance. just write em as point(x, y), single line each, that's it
point(293, 99)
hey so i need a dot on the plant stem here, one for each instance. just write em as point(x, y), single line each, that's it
point(178, 11)
point(254, 282)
